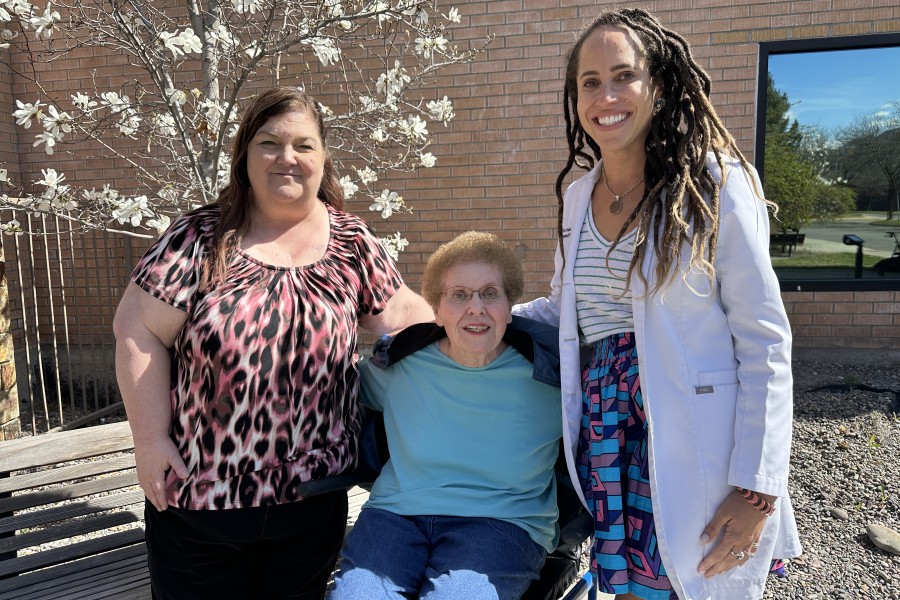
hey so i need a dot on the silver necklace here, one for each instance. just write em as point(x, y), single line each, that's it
point(615, 207)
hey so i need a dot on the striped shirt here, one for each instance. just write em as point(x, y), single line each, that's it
point(603, 305)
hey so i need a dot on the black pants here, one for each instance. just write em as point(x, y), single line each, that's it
point(271, 552)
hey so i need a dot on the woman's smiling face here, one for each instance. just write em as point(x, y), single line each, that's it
point(474, 328)
point(615, 93)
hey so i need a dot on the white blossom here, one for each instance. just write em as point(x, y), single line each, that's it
point(129, 123)
point(243, 6)
point(3, 176)
point(345, 25)
point(428, 45)
point(254, 50)
point(115, 102)
point(27, 113)
point(219, 34)
point(414, 128)
point(57, 122)
point(382, 9)
point(325, 50)
point(392, 82)
point(441, 110)
point(83, 102)
point(453, 16)
point(105, 196)
point(165, 125)
point(132, 210)
point(350, 188)
point(379, 135)
point(387, 203)
point(394, 245)
point(366, 175)
point(48, 138)
point(335, 8)
point(19, 7)
point(51, 179)
point(44, 24)
point(160, 223)
point(190, 41)
point(427, 160)
point(7, 35)
point(12, 226)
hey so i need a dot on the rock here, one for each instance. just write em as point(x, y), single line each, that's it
point(839, 513)
point(884, 537)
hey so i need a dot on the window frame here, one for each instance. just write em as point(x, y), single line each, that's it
point(808, 45)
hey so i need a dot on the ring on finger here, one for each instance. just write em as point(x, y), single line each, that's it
point(738, 555)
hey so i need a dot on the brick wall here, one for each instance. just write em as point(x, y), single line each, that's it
point(498, 160)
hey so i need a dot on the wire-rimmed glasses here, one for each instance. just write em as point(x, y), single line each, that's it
point(489, 294)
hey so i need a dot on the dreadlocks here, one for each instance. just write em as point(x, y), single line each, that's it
point(680, 136)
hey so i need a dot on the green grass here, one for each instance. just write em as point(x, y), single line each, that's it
point(802, 258)
point(886, 223)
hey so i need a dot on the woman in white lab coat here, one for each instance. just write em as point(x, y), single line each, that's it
point(674, 343)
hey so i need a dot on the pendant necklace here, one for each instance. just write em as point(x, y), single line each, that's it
point(615, 207)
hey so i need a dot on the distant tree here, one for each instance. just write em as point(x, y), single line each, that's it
point(790, 182)
point(871, 155)
point(779, 124)
point(831, 201)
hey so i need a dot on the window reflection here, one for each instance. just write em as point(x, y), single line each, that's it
point(828, 149)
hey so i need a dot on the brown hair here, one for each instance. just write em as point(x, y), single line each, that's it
point(234, 199)
point(681, 134)
point(473, 247)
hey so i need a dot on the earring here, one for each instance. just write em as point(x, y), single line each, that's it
point(658, 105)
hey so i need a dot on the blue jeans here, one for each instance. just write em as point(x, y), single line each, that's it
point(389, 556)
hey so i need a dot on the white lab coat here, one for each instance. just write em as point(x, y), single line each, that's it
point(716, 380)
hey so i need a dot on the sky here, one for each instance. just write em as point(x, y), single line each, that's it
point(829, 88)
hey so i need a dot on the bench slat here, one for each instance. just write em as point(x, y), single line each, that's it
point(71, 572)
point(71, 529)
point(68, 511)
point(42, 450)
point(25, 481)
point(76, 490)
point(109, 584)
point(55, 556)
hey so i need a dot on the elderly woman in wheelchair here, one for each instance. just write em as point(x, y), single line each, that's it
point(466, 506)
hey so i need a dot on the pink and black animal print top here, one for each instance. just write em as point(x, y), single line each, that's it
point(264, 383)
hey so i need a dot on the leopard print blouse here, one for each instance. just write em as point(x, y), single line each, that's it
point(264, 380)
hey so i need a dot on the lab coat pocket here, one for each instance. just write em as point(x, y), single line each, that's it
point(716, 382)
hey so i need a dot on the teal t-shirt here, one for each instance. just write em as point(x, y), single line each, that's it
point(468, 442)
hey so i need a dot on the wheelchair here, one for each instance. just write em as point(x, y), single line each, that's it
point(559, 578)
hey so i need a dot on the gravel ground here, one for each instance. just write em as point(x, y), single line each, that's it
point(845, 474)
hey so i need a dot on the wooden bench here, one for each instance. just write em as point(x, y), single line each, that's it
point(72, 514)
point(786, 241)
point(72, 517)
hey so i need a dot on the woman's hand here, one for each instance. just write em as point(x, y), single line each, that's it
point(153, 459)
point(736, 529)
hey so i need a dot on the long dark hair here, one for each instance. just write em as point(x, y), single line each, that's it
point(681, 134)
point(234, 199)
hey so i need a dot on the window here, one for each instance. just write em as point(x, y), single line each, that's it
point(828, 152)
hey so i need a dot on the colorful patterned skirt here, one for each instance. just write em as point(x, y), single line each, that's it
point(614, 472)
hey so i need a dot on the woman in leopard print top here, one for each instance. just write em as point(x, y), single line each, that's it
point(236, 342)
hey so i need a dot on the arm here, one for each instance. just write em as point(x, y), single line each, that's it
point(403, 309)
point(545, 309)
point(762, 341)
point(145, 330)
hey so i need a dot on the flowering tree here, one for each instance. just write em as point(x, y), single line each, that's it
point(197, 63)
